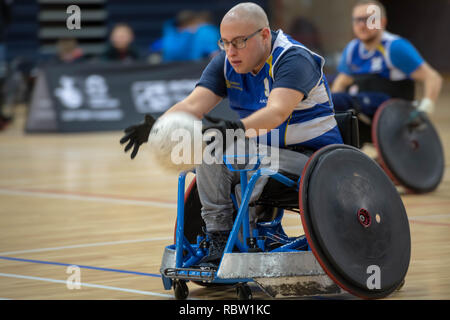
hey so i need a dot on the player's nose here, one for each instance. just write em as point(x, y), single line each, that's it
point(231, 51)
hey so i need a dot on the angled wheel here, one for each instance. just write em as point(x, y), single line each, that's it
point(410, 151)
point(355, 221)
point(192, 214)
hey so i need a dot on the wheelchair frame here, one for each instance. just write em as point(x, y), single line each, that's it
point(180, 258)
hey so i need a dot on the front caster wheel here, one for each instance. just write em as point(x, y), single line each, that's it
point(244, 292)
point(180, 289)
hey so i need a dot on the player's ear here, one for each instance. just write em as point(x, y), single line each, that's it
point(383, 22)
point(265, 33)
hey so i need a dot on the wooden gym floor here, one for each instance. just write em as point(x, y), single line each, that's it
point(77, 199)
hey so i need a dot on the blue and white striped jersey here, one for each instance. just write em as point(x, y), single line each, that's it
point(312, 124)
point(394, 59)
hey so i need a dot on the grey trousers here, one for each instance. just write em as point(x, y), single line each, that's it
point(215, 182)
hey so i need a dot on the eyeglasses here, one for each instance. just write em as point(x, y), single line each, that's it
point(238, 43)
point(357, 20)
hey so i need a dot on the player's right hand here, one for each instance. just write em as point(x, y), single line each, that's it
point(138, 134)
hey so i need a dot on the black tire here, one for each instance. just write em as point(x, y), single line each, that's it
point(410, 156)
point(401, 285)
point(180, 289)
point(343, 240)
point(244, 292)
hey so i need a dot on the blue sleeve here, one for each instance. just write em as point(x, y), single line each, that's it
point(213, 77)
point(404, 56)
point(343, 66)
point(297, 70)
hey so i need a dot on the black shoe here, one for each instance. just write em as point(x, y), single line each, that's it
point(217, 243)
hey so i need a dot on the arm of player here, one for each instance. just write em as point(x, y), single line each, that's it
point(405, 57)
point(432, 82)
point(199, 102)
point(341, 82)
point(280, 105)
point(344, 78)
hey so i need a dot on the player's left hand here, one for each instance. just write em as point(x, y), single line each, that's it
point(222, 125)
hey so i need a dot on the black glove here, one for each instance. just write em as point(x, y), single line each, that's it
point(137, 135)
point(222, 125)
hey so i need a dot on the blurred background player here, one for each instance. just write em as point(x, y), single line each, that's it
point(379, 65)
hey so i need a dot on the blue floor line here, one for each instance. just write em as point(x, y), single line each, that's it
point(82, 267)
point(108, 269)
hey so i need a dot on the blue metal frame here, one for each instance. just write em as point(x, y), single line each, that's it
point(271, 231)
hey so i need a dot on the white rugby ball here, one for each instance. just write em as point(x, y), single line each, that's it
point(175, 141)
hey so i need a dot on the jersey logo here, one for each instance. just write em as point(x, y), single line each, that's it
point(376, 64)
point(233, 85)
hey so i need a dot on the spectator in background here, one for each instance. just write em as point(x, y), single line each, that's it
point(5, 19)
point(69, 51)
point(191, 36)
point(15, 74)
point(121, 47)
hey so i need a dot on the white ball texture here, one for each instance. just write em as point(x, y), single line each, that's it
point(175, 142)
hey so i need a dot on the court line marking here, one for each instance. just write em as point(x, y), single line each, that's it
point(432, 216)
point(439, 224)
point(121, 199)
point(125, 199)
point(414, 219)
point(86, 245)
point(419, 219)
point(87, 197)
point(82, 266)
point(426, 204)
point(89, 285)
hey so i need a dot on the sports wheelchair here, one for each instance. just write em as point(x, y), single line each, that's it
point(356, 231)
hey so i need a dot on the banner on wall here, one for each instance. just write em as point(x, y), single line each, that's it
point(108, 97)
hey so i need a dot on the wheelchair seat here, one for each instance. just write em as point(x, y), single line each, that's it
point(348, 126)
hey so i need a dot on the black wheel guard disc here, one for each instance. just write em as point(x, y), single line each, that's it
point(355, 221)
point(412, 156)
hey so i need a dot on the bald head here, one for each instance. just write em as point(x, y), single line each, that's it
point(247, 22)
point(249, 12)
